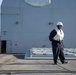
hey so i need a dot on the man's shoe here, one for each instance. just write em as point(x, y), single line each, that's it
point(65, 62)
point(55, 63)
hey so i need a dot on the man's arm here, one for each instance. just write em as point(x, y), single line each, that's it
point(52, 34)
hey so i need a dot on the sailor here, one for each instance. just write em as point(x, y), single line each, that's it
point(56, 38)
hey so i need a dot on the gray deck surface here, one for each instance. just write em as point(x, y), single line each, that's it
point(14, 64)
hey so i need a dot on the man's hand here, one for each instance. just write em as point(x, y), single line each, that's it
point(51, 42)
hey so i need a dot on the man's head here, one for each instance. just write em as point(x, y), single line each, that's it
point(59, 25)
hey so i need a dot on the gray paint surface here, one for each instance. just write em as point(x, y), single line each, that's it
point(25, 26)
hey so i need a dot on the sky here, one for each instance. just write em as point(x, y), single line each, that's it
point(0, 16)
point(0, 5)
point(1, 1)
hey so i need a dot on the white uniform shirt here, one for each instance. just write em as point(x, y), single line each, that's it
point(60, 35)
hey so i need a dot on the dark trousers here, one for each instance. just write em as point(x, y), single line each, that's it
point(57, 49)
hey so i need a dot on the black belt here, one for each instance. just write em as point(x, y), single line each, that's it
point(61, 41)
